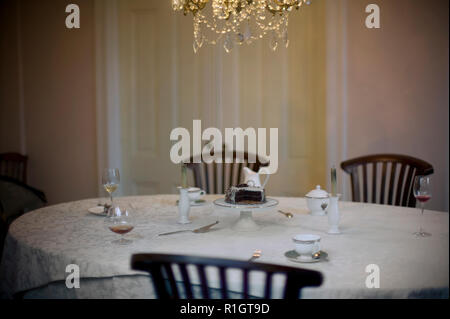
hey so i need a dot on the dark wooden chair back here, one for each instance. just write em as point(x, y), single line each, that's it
point(160, 268)
point(14, 165)
point(216, 178)
point(392, 185)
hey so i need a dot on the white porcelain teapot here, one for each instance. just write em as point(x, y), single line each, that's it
point(251, 178)
point(317, 200)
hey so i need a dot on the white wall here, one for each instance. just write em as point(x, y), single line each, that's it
point(47, 95)
point(398, 85)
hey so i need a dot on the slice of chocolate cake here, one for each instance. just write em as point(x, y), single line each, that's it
point(244, 194)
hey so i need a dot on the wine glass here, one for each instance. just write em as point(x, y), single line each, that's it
point(120, 222)
point(422, 192)
point(111, 181)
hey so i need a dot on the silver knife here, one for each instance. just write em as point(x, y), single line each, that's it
point(198, 230)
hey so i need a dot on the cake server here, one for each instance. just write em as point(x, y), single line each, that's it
point(203, 229)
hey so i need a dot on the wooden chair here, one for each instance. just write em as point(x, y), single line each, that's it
point(14, 165)
point(216, 178)
point(396, 178)
point(160, 267)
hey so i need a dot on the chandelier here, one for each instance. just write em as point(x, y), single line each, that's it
point(239, 21)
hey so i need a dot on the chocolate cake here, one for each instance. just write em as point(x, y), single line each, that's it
point(244, 194)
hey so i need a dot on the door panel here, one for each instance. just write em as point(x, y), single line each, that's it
point(146, 66)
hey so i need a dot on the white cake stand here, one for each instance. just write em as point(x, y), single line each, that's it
point(246, 221)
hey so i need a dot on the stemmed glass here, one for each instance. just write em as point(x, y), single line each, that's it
point(422, 192)
point(111, 181)
point(120, 222)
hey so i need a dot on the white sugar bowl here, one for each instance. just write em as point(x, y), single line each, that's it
point(317, 201)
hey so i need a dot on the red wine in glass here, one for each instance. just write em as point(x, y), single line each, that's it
point(422, 193)
point(423, 198)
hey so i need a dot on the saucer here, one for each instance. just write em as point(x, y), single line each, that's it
point(97, 210)
point(292, 255)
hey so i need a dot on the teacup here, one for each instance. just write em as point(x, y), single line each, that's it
point(306, 245)
point(195, 193)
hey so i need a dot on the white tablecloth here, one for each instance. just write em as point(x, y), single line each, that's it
point(42, 243)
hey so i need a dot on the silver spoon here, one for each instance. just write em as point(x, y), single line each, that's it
point(288, 215)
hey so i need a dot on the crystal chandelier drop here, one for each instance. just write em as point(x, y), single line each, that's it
point(239, 21)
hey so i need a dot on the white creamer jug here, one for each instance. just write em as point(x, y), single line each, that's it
point(251, 178)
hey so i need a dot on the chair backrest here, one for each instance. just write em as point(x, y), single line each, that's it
point(160, 268)
point(14, 165)
point(216, 178)
point(392, 185)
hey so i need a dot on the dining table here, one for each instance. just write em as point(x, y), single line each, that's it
point(375, 240)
